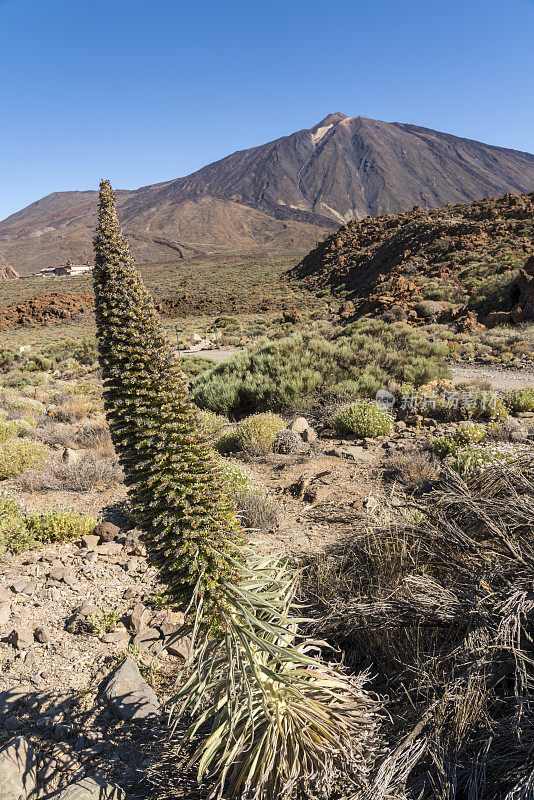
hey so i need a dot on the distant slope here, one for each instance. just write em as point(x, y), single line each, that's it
point(280, 196)
point(458, 254)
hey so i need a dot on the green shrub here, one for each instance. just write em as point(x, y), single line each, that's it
point(363, 418)
point(59, 524)
point(211, 423)
point(227, 442)
point(284, 374)
point(16, 455)
point(470, 461)
point(469, 433)
point(193, 366)
point(517, 400)
point(256, 434)
point(13, 531)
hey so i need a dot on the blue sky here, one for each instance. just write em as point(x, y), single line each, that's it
point(142, 92)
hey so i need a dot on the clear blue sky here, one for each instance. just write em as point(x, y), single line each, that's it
point(148, 91)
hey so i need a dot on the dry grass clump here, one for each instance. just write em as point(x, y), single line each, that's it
point(74, 408)
point(416, 469)
point(90, 471)
point(442, 607)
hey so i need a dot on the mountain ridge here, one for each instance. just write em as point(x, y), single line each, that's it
point(284, 195)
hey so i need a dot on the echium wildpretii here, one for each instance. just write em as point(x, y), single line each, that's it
point(175, 486)
point(269, 718)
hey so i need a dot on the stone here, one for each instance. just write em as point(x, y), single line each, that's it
point(147, 637)
point(22, 638)
point(5, 614)
point(109, 549)
point(71, 457)
point(371, 504)
point(119, 637)
point(353, 452)
point(90, 789)
point(90, 541)
point(41, 635)
point(5, 595)
point(299, 425)
point(309, 435)
point(139, 617)
point(12, 723)
point(18, 586)
point(10, 699)
point(18, 770)
point(128, 695)
point(107, 531)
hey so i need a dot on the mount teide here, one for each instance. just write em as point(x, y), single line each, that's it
point(280, 196)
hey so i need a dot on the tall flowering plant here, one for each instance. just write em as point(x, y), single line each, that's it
point(267, 717)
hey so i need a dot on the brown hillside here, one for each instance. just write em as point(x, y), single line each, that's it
point(463, 255)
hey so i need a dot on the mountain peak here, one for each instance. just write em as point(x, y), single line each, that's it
point(331, 119)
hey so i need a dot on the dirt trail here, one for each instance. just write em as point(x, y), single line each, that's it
point(500, 379)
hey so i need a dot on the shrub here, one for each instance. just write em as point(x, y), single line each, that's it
point(59, 524)
point(227, 442)
point(256, 434)
point(13, 532)
point(517, 400)
point(193, 366)
point(469, 462)
point(16, 455)
point(211, 423)
point(469, 433)
point(363, 358)
point(255, 509)
point(73, 409)
point(90, 471)
point(363, 418)
point(288, 442)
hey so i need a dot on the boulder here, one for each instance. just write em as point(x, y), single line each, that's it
point(495, 318)
point(107, 531)
point(128, 694)
point(71, 457)
point(299, 425)
point(90, 789)
point(18, 770)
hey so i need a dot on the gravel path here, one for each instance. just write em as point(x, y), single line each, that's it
point(500, 379)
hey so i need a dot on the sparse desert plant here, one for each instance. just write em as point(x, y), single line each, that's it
point(227, 441)
point(90, 471)
point(287, 442)
point(73, 409)
point(471, 461)
point(14, 535)
point(269, 718)
point(60, 524)
point(256, 433)
point(364, 418)
point(105, 622)
point(211, 423)
point(417, 469)
point(18, 454)
point(517, 400)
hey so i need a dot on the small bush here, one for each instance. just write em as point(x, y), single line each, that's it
point(518, 400)
point(13, 532)
point(288, 442)
point(193, 366)
point(416, 470)
point(91, 471)
point(363, 418)
point(255, 509)
point(59, 524)
point(211, 423)
point(73, 409)
point(227, 442)
point(469, 433)
point(256, 434)
point(16, 455)
point(469, 462)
